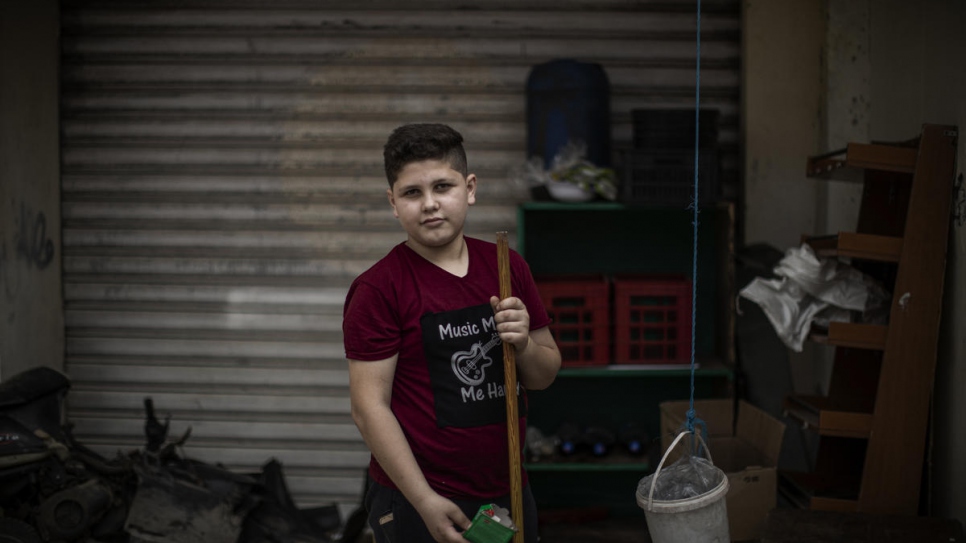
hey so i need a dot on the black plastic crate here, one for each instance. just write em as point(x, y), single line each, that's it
point(673, 128)
point(666, 177)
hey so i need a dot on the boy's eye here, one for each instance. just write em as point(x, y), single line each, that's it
point(442, 187)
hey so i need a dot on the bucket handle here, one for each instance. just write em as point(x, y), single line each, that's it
point(666, 453)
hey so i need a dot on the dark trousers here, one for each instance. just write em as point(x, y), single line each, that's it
point(394, 520)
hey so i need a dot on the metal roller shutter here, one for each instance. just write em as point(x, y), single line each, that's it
point(222, 185)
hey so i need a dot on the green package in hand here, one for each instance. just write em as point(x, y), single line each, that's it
point(492, 524)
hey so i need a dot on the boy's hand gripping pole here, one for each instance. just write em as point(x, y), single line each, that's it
point(510, 389)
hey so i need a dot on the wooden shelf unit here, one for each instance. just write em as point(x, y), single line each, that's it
point(830, 417)
point(612, 239)
point(874, 420)
point(847, 334)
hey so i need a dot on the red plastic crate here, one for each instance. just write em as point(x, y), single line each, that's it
point(579, 309)
point(652, 321)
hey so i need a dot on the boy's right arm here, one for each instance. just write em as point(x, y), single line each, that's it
point(370, 390)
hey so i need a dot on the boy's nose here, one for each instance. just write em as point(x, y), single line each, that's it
point(430, 202)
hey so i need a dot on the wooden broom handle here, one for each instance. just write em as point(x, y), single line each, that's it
point(510, 389)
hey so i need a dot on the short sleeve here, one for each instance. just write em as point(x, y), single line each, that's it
point(370, 326)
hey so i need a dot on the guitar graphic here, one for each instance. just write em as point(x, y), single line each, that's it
point(468, 365)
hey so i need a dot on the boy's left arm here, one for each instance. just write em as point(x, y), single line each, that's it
point(537, 356)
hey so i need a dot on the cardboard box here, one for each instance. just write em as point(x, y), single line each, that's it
point(746, 448)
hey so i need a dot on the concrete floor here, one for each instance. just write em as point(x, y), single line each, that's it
point(630, 530)
point(603, 531)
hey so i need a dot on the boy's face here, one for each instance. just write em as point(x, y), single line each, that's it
point(431, 199)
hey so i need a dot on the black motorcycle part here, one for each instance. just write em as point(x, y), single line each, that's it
point(185, 510)
point(354, 525)
point(273, 480)
point(111, 525)
point(155, 432)
point(18, 483)
point(358, 520)
point(35, 399)
point(70, 513)
point(15, 531)
point(118, 466)
point(16, 441)
point(324, 518)
point(214, 477)
point(277, 519)
point(31, 384)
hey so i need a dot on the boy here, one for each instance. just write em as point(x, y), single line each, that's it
point(423, 332)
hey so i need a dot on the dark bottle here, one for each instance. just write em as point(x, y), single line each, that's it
point(633, 438)
point(600, 438)
point(570, 438)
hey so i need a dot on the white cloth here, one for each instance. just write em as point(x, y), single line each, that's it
point(814, 290)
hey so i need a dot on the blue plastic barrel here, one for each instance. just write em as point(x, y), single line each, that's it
point(568, 101)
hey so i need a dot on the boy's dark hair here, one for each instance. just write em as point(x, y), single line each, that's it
point(424, 141)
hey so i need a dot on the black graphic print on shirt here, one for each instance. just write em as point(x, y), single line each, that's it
point(465, 357)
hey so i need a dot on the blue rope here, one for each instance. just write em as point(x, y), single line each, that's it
point(692, 418)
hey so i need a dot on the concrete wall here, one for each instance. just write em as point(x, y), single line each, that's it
point(783, 105)
point(31, 308)
point(819, 74)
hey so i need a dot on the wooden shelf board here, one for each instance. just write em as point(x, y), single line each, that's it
point(848, 164)
point(615, 461)
point(705, 367)
point(854, 245)
point(859, 336)
point(820, 414)
point(891, 158)
point(813, 491)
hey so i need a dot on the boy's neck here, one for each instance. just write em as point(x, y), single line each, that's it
point(452, 257)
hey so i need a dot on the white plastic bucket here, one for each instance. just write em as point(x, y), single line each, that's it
point(701, 519)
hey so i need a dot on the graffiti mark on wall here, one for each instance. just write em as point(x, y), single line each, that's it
point(32, 241)
point(28, 244)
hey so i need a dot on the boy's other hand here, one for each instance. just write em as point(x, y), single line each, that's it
point(512, 321)
point(442, 517)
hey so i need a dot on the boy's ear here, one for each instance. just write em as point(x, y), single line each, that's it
point(392, 202)
point(471, 182)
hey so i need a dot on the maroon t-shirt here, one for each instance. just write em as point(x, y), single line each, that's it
point(448, 389)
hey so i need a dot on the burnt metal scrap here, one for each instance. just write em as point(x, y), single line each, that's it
point(54, 489)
